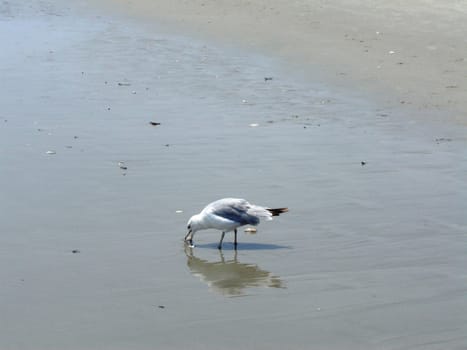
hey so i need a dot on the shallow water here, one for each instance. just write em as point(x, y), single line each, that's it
point(369, 256)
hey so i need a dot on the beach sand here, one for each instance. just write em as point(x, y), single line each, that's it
point(95, 198)
point(412, 54)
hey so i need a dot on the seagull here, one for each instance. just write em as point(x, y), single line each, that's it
point(227, 215)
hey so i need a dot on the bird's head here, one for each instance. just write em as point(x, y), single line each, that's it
point(194, 224)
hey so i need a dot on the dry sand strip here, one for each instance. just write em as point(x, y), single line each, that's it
point(410, 53)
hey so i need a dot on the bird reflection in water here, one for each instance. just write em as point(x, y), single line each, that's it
point(230, 277)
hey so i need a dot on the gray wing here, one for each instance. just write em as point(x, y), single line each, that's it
point(233, 209)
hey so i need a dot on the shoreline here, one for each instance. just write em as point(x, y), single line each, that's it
point(92, 252)
point(410, 56)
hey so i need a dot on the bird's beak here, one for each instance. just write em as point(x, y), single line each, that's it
point(188, 235)
point(189, 239)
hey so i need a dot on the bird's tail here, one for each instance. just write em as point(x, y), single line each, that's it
point(277, 211)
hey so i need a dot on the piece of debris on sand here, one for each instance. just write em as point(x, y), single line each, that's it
point(250, 230)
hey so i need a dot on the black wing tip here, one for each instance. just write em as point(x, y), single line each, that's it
point(278, 211)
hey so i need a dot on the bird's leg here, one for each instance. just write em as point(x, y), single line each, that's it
point(220, 243)
point(235, 239)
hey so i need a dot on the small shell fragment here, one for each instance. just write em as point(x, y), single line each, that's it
point(179, 211)
point(251, 230)
point(253, 125)
point(50, 152)
point(121, 165)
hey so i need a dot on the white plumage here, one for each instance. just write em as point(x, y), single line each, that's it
point(227, 215)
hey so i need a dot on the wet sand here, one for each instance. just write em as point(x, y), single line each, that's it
point(413, 54)
point(370, 256)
